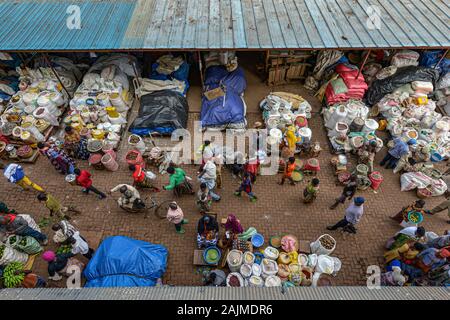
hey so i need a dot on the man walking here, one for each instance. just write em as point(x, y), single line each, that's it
point(84, 180)
point(352, 217)
point(208, 176)
point(55, 207)
point(15, 174)
point(348, 193)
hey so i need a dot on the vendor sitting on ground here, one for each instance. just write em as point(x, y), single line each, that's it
point(407, 235)
point(233, 228)
point(140, 178)
point(311, 191)
point(367, 154)
point(393, 278)
point(403, 216)
point(215, 278)
point(440, 242)
point(432, 258)
point(12, 224)
point(399, 149)
point(178, 182)
point(130, 198)
point(207, 232)
point(56, 263)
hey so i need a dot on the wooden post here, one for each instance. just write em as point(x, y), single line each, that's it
point(364, 63)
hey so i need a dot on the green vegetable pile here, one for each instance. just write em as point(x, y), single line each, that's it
point(23, 242)
point(10, 278)
point(2, 248)
point(12, 240)
point(64, 249)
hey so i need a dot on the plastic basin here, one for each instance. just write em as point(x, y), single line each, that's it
point(257, 240)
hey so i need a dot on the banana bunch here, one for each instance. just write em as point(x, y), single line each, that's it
point(10, 278)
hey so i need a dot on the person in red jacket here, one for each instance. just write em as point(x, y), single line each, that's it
point(140, 178)
point(84, 180)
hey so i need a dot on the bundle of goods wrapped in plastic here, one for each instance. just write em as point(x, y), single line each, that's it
point(349, 85)
point(286, 116)
point(223, 104)
point(101, 103)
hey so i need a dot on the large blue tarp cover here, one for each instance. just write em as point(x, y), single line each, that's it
point(230, 108)
point(125, 262)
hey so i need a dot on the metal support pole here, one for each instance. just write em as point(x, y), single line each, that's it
point(364, 63)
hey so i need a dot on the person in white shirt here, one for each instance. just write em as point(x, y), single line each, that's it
point(80, 246)
point(129, 196)
point(208, 176)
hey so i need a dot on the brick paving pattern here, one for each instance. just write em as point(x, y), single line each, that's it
point(279, 210)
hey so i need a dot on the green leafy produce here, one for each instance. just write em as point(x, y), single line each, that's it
point(64, 249)
point(12, 240)
point(23, 242)
point(10, 278)
point(2, 248)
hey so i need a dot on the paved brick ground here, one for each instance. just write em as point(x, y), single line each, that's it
point(279, 209)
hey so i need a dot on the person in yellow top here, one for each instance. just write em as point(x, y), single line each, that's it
point(55, 207)
point(291, 139)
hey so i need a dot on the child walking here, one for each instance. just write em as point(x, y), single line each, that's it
point(246, 186)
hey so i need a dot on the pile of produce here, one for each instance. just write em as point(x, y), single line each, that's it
point(2, 249)
point(10, 278)
point(64, 249)
point(327, 242)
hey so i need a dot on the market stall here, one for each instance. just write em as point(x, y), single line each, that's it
point(38, 107)
point(223, 104)
point(163, 104)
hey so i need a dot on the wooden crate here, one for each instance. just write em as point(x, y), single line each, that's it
point(277, 76)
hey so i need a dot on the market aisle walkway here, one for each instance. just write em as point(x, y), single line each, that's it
point(279, 210)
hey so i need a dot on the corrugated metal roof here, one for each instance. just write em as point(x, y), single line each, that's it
point(242, 294)
point(225, 24)
point(42, 25)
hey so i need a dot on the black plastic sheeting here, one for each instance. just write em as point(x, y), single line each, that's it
point(162, 112)
point(380, 88)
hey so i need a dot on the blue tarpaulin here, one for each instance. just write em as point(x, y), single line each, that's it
point(230, 108)
point(125, 262)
